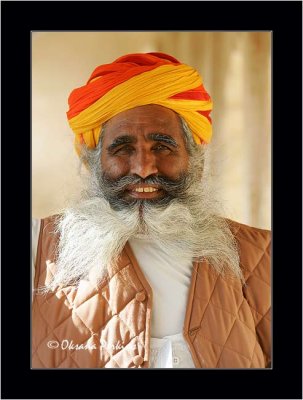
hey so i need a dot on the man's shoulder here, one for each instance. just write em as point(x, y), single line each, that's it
point(48, 225)
point(51, 219)
point(254, 246)
point(239, 226)
point(249, 234)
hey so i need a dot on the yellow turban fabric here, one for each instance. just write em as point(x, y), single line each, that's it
point(136, 80)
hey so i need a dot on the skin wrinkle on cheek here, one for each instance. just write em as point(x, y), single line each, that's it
point(170, 166)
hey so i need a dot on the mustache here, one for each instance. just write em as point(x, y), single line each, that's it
point(118, 186)
point(114, 189)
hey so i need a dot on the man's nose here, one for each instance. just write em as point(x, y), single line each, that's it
point(144, 164)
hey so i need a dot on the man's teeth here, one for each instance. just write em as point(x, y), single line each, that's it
point(145, 189)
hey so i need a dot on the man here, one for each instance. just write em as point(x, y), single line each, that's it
point(142, 271)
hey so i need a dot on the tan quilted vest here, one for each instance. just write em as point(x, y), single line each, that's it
point(226, 326)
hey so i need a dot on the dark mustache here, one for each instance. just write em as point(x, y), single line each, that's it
point(173, 187)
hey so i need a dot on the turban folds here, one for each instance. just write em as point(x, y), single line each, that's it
point(135, 80)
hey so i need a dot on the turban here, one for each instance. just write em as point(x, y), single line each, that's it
point(135, 80)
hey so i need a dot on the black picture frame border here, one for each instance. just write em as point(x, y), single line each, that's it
point(284, 20)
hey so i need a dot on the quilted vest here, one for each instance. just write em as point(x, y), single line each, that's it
point(226, 325)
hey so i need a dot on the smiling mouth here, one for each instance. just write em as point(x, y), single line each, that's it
point(145, 192)
point(145, 189)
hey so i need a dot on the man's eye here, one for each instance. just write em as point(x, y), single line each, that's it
point(123, 150)
point(161, 147)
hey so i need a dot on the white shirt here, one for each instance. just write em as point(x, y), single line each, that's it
point(170, 281)
point(170, 284)
point(170, 352)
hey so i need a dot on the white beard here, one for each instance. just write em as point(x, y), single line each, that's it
point(93, 235)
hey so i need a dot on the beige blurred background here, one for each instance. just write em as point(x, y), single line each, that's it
point(236, 70)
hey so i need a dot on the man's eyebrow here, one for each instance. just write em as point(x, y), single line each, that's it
point(124, 139)
point(160, 137)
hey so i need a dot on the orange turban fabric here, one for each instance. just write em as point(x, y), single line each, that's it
point(136, 80)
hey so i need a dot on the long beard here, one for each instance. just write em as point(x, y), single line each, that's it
point(185, 224)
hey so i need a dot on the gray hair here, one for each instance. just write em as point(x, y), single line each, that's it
point(189, 227)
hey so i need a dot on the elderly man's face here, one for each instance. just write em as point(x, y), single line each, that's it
point(144, 142)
